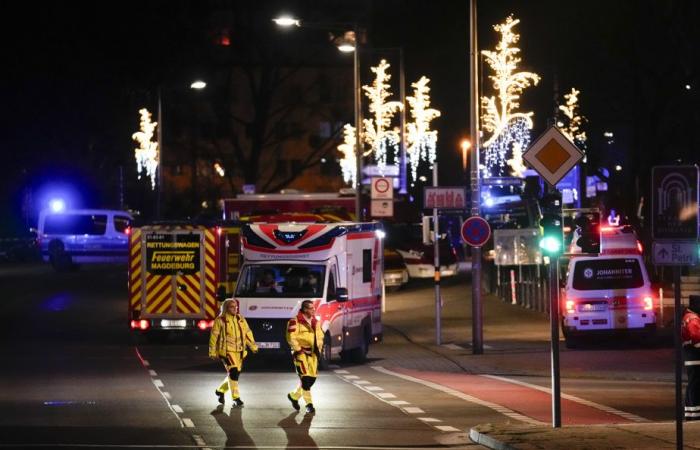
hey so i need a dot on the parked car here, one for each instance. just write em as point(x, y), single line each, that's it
point(395, 271)
point(407, 240)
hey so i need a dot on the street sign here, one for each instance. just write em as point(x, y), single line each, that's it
point(382, 188)
point(475, 231)
point(552, 155)
point(444, 197)
point(682, 253)
point(674, 203)
point(382, 208)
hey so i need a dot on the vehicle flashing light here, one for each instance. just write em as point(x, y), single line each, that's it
point(381, 234)
point(569, 306)
point(607, 229)
point(57, 205)
point(142, 324)
point(218, 231)
point(648, 303)
point(640, 247)
point(127, 231)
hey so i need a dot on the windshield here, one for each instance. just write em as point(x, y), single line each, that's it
point(599, 274)
point(281, 280)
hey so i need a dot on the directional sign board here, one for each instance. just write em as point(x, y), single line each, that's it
point(475, 231)
point(674, 203)
point(382, 188)
point(675, 253)
point(552, 155)
point(444, 197)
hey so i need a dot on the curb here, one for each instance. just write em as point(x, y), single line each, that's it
point(487, 441)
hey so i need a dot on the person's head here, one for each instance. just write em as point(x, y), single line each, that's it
point(694, 303)
point(312, 278)
point(230, 306)
point(268, 275)
point(307, 308)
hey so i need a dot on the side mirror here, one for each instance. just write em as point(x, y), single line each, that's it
point(341, 294)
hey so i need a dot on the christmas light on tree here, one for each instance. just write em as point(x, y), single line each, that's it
point(377, 133)
point(509, 129)
point(421, 140)
point(348, 161)
point(572, 127)
point(147, 155)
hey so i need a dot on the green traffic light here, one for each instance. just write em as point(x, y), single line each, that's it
point(550, 244)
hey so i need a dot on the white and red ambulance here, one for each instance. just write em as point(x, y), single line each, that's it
point(338, 266)
point(608, 293)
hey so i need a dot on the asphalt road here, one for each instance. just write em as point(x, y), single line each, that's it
point(73, 376)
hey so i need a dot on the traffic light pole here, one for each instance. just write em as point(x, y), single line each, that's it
point(554, 324)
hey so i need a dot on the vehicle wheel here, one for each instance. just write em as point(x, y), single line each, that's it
point(60, 260)
point(571, 342)
point(359, 354)
point(325, 360)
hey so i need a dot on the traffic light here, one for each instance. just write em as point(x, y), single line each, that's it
point(552, 240)
point(588, 227)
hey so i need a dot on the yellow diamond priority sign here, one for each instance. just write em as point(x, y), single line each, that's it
point(552, 155)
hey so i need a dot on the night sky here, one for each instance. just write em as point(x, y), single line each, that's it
point(75, 72)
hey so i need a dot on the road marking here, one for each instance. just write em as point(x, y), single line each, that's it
point(361, 382)
point(351, 377)
point(498, 408)
point(152, 373)
point(342, 371)
point(198, 440)
point(188, 422)
point(177, 409)
point(145, 363)
point(385, 395)
point(429, 419)
point(167, 395)
point(158, 383)
point(454, 347)
point(373, 388)
point(582, 401)
point(413, 410)
point(399, 402)
point(446, 428)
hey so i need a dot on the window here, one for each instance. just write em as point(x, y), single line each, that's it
point(121, 223)
point(76, 224)
point(366, 265)
point(604, 274)
point(281, 280)
point(331, 285)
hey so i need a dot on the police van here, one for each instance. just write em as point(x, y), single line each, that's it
point(608, 293)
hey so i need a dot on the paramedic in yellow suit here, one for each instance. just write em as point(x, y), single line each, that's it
point(305, 338)
point(229, 342)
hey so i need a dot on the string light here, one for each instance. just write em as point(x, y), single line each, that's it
point(572, 127)
point(147, 155)
point(348, 160)
point(376, 130)
point(509, 129)
point(421, 140)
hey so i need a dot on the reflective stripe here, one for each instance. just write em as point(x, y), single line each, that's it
point(697, 345)
point(697, 414)
point(692, 363)
point(692, 408)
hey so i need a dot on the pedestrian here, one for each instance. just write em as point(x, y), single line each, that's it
point(229, 342)
point(690, 334)
point(305, 338)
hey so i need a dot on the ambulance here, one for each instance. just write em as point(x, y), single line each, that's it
point(178, 273)
point(336, 265)
point(608, 293)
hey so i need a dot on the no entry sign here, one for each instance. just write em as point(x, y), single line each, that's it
point(475, 231)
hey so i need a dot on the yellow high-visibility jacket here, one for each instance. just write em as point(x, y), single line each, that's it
point(303, 336)
point(230, 335)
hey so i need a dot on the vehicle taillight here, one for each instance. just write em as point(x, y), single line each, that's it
point(218, 231)
point(640, 247)
point(569, 306)
point(127, 231)
point(142, 324)
point(648, 303)
point(204, 324)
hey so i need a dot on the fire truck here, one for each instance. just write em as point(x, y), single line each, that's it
point(178, 273)
point(281, 260)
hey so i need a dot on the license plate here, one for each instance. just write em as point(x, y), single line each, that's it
point(594, 307)
point(268, 344)
point(167, 323)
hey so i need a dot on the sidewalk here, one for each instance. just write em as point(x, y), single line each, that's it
point(628, 436)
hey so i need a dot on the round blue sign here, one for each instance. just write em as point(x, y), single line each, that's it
point(475, 231)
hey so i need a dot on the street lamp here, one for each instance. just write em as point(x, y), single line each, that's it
point(349, 42)
point(465, 145)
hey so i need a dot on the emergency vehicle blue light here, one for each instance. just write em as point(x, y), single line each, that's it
point(57, 205)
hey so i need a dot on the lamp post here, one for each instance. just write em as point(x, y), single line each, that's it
point(349, 43)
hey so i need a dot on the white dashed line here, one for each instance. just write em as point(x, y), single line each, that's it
point(361, 382)
point(454, 347)
point(429, 419)
point(351, 377)
point(385, 395)
point(159, 384)
point(373, 388)
point(607, 409)
point(399, 402)
point(188, 422)
point(198, 440)
point(413, 410)
point(498, 408)
point(167, 395)
point(152, 373)
point(177, 409)
point(145, 363)
point(447, 428)
point(341, 371)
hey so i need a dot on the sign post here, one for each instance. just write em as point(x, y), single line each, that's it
point(674, 228)
point(382, 197)
point(552, 156)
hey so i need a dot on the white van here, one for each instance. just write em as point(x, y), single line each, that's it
point(608, 293)
point(83, 236)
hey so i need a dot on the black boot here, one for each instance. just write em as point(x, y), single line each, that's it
point(295, 404)
point(220, 395)
point(238, 402)
point(310, 408)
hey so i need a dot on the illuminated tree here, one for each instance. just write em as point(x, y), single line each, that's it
point(147, 155)
point(348, 160)
point(508, 129)
point(421, 140)
point(571, 125)
point(376, 129)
